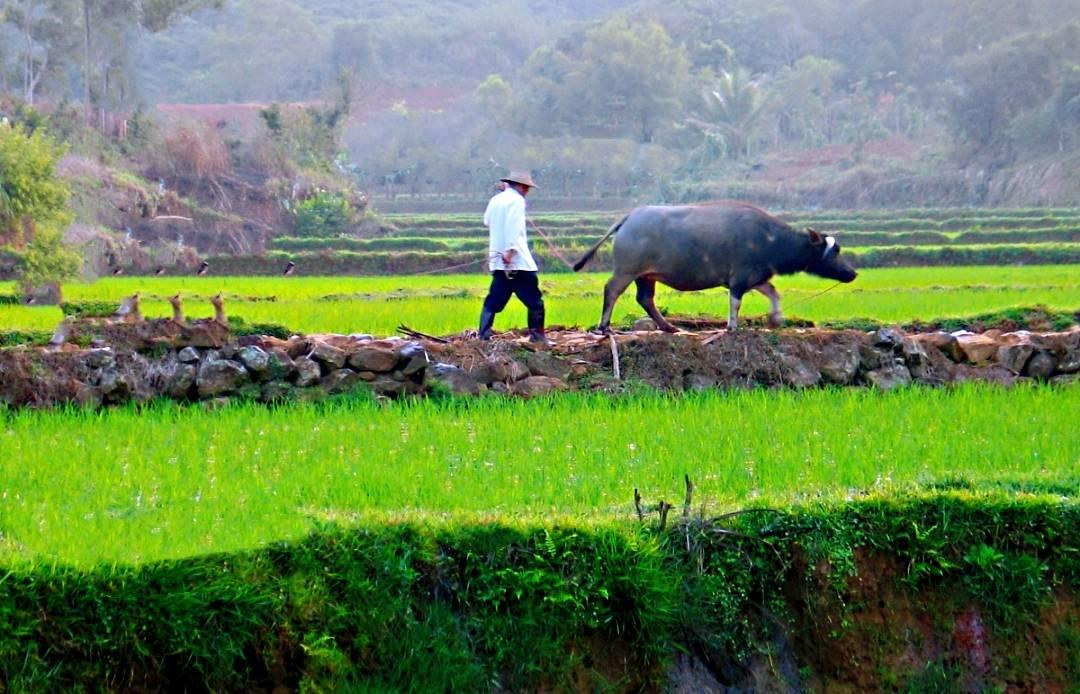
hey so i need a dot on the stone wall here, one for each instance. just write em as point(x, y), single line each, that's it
point(311, 367)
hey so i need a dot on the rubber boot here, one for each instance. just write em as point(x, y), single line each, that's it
point(536, 327)
point(487, 320)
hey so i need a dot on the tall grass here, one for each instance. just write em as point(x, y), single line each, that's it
point(133, 486)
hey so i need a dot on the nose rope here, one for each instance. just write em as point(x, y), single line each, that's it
point(814, 296)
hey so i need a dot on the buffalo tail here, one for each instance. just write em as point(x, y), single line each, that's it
point(592, 251)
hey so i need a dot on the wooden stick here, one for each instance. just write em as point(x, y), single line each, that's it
point(615, 358)
point(689, 496)
point(664, 507)
point(637, 505)
point(406, 330)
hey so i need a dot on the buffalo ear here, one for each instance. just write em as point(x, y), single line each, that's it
point(816, 239)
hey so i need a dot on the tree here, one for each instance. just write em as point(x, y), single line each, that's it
point(623, 78)
point(801, 99)
point(1006, 81)
point(732, 110)
point(119, 17)
point(38, 39)
point(33, 206)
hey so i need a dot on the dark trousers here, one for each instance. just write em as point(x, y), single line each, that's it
point(525, 285)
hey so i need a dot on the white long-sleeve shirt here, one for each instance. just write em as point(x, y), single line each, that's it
point(505, 219)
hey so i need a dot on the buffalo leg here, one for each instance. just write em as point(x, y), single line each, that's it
point(612, 290)
point(646, 291)
point(776, 318)
point(734, 302)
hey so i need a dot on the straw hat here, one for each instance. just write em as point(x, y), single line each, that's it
point(520, 177)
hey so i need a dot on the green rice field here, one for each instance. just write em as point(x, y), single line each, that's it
point(447, 304)
point(131, 486)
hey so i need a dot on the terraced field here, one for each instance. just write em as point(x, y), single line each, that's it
point(431, 243)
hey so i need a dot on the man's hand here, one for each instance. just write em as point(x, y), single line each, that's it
point(508, 255)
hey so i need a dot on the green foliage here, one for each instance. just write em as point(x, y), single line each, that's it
point(33, 206)
point(30, 194)
point(47, 259)
point(1012, 584)
point(625, 77)
point(324, 214)
point(87, 309)
point(14, 338)
point(733, 107)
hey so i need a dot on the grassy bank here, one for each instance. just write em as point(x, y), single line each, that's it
point(862, 594)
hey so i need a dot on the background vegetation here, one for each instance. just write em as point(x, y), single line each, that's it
point(626, 98)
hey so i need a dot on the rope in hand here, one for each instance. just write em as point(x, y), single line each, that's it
point(538, 230)
point(447, 269)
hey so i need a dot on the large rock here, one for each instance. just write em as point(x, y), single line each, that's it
point(927, 363)
point(413, 359)
point(188, 355)
point(392, 387)
point(1014, 357)
point(219, 376)
point(839, 363)
point(518, 370)
point(281, 365)
point(454, 379)
point(537, 385)
point(307, 372)
point(943, 341)
point(1069, 363)
point(329, 356)
point(374, 358)
point(100, 358)
point(978, 349)
point(993, 373)
point(115, 385)
point(890, 376)
point(490, 371)
point(340, 381)
point(1041, 365)
point(256, 361)
point(547, 364)
point(180, 382)
point(796, 372)
point(888, 338)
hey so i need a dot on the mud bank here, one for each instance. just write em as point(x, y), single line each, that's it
point(120, 362)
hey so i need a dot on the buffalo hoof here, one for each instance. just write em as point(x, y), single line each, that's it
point(776, 320)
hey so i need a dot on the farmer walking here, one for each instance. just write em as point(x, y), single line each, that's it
point(513, 270)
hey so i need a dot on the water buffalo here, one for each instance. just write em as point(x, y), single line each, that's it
point(722, 244)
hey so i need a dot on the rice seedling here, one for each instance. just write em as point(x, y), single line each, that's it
point(448, 304)
point(128, 485)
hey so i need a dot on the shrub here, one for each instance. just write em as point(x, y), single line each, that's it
point(323, 214)
point(33, 207)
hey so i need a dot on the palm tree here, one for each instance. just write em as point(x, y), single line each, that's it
point(732, 109)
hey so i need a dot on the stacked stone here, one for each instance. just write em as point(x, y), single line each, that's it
point(311, 367)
